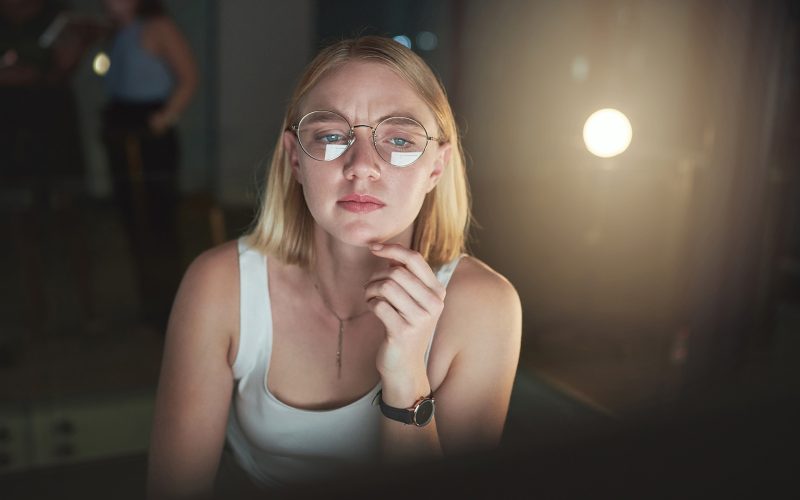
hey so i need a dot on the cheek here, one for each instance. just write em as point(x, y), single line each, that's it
point(307, 175)
point(417, 186)
point(409, 194)
point(316, 187)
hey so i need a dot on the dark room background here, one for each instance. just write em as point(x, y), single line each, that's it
point(657, 282)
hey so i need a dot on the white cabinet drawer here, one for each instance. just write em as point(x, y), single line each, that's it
point(77, 430)
point(15, 440)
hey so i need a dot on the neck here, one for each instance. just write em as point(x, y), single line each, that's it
point(341, 270)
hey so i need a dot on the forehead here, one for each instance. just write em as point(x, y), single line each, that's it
point(365, 92)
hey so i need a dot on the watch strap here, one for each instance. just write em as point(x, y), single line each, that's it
point(405, 415)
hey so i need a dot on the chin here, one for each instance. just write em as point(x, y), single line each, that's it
point(363, 236)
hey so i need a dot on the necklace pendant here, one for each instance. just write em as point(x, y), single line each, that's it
point(341, 327)
point(339, 350)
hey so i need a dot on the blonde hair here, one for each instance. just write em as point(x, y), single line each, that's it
point(284, 225)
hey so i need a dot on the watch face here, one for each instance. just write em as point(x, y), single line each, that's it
point(424, 412)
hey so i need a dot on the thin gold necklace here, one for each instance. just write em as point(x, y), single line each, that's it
point(341, 328)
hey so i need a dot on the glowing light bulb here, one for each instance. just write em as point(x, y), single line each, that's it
point(101, 63)
point(607, 133)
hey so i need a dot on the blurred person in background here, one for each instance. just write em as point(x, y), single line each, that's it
point(150, 82)
point(41, 158)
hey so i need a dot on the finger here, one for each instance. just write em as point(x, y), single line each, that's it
point(397, 297)
point(413, 262)
point(390, 318)
point(428, 299)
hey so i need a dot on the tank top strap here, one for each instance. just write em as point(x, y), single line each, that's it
point(443, 274)
point(255, 319)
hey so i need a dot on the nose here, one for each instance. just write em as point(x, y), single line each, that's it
point(361, 159)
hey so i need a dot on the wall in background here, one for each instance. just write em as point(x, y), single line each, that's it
point(263, 46)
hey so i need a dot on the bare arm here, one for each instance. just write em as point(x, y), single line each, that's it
point(472, 401)
point(172, 46)
point(196, 382)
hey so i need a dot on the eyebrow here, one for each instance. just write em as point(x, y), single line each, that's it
point(321, 119)
point(398, 114)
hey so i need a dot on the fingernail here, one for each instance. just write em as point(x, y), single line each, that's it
point(376, 247)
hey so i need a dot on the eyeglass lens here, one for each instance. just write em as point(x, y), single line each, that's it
point(325, 136)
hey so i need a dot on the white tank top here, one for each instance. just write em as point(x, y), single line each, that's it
point(277, 444)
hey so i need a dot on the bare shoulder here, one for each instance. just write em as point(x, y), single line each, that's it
point(162, 26)
point(213, 277)
point(479, 299)
point(475, 285)
point(216, 270)
point(164, 36)
point(208, 297)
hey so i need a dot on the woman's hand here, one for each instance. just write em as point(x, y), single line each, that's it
point(161, 121)
point(408, 298)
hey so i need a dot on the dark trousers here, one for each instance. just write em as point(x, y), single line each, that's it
point(144, 172)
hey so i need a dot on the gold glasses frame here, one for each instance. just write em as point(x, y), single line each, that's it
point(351, 139)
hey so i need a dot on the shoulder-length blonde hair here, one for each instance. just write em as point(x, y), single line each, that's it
point(284, 225)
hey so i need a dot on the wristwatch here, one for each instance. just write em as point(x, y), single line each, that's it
point(420, 414)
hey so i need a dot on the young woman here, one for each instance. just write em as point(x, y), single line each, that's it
point(348, 326)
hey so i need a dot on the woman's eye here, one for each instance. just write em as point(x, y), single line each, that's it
point(399, 142)
point(330, 138)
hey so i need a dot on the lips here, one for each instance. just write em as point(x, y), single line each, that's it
point(360, 203)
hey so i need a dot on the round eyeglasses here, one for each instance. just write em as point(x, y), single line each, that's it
point(325, 136)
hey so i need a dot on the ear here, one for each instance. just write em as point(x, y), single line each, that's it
point(290, 146)
point(442, 159)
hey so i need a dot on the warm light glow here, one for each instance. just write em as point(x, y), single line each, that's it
point(607, 133)
point(101, 63)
